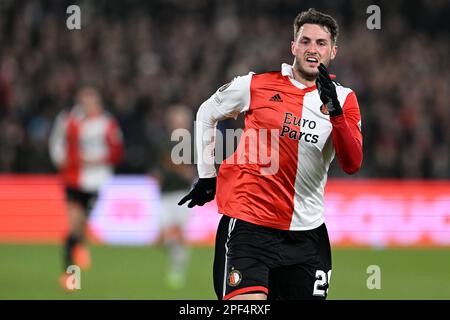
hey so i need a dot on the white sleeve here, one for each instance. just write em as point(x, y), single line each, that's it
point(227, 102)
point(57, 146)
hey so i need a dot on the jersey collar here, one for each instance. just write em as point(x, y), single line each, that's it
point(286, 70)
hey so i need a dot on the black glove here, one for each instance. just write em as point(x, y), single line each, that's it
point(327, 92)
point(203, 191)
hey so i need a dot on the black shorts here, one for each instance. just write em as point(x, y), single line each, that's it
point(84, 199)
point(285, 265)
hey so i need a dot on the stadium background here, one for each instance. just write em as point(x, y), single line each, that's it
point(147, 56)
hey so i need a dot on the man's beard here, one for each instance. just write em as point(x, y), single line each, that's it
point(308, 76)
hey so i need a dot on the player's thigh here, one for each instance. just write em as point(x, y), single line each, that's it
point(250, 296)
point(308, 279)
point(299, 282)
point(239, 267)
point(219, 255)
point(173, 214)
point(82, 200)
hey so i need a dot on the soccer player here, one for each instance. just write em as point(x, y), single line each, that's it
point(85, 144)
point(272, 242)
point(175, 182)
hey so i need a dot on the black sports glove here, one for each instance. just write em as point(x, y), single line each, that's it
point(327, 92)
point(203, 191)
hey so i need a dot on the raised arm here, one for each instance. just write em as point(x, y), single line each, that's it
point(346, 134)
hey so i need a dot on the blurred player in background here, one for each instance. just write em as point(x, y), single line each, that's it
point(85, 145)
point(175, 182)
point(272, 241)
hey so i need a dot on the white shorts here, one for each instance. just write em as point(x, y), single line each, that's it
point(172, 214)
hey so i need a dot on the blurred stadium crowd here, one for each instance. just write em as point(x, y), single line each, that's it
point(145, 56)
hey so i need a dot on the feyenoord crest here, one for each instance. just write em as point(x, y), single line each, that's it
point(234, 278)
point(324, 110)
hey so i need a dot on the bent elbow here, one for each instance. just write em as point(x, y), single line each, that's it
point(352, 168)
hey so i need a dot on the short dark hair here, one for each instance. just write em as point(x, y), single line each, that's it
point(315, 17)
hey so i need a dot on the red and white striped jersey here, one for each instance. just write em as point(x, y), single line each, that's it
point(85, 149)
point(292, 198)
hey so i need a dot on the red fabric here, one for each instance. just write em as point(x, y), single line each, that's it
point(243, 192)
point(347, 137)
point(71, 171)
point(246, 290)
point(115, 144)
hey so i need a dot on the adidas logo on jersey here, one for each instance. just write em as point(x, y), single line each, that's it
point(276, 98)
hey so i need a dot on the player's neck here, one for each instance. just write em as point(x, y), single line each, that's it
point(302, 80)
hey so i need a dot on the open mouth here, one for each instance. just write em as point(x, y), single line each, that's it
point(313, 60)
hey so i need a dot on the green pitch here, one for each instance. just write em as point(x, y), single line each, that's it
point(32, 271)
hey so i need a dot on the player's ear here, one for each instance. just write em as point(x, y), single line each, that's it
point(293, 47)
point(334, 49)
